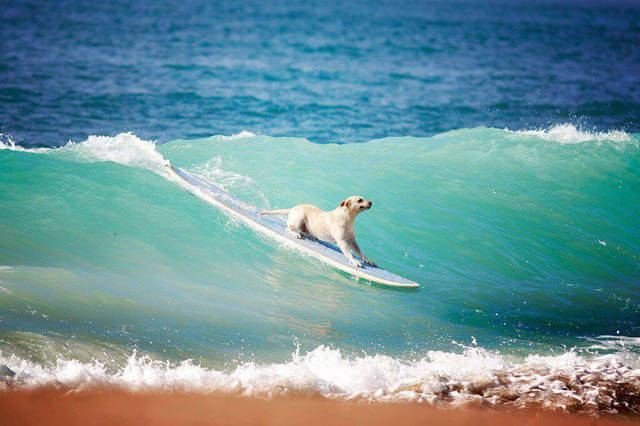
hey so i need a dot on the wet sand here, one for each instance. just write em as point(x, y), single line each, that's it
point(116, 407)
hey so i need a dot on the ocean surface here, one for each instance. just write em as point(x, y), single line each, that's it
point(499, 141)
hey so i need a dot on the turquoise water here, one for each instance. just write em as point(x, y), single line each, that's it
point(524, 243)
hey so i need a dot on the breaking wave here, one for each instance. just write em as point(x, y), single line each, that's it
point(570, 134)
point(523, 245)
point(474, 377)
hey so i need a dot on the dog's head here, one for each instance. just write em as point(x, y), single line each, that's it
point(355, 204)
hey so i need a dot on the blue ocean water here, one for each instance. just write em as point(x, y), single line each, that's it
point(499, 142)
point(327, 71)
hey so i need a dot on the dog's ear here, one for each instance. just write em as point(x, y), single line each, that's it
point(348, 204)
point(342, 203)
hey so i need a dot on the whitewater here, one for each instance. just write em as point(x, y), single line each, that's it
point(526, 242)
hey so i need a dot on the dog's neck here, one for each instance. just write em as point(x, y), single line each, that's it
point(348, 215)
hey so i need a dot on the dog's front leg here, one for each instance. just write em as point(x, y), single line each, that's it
point(356, 248)
point(345, 250)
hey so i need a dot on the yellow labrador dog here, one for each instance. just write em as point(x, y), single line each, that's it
point(335, 226)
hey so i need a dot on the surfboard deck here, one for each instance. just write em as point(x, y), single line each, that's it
point(275, 227)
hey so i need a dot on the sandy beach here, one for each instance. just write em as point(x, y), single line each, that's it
point(108, 407)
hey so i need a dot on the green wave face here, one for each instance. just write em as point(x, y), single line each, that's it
point(521, 241)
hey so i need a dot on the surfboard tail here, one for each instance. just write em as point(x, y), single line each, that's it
point(281, 211)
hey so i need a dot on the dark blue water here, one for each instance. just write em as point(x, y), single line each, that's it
point(336, 71)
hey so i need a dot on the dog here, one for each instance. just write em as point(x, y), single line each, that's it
point(335, 226)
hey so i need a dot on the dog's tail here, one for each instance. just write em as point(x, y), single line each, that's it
point(281, 211)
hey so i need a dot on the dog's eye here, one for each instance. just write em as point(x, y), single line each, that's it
point(359, 200)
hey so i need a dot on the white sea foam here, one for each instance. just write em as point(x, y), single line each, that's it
point(243, 134)
point(7, 142)
point(212, 170)
point(570, 134)
point(622, 345)
point(476, 376)
point(125, 148)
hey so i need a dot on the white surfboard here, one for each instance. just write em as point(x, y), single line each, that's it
point(275, 227)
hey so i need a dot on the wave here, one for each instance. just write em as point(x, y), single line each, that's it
point(126, 146)
point(474, 377)
point(526, 240)
point(7, 142)
point(243, 134)
point(570, 134)
point(126, 149)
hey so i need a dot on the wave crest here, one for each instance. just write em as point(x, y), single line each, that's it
point(7, 142)
point(570, 134)
point(124, 148)
point(242, 135)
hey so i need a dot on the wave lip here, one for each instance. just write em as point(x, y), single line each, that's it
point(568, 382)
point(570, 134)
point(242, 135)
point(125, 148)
point(7, 142)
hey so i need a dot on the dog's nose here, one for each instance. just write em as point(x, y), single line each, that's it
point(370, 203)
